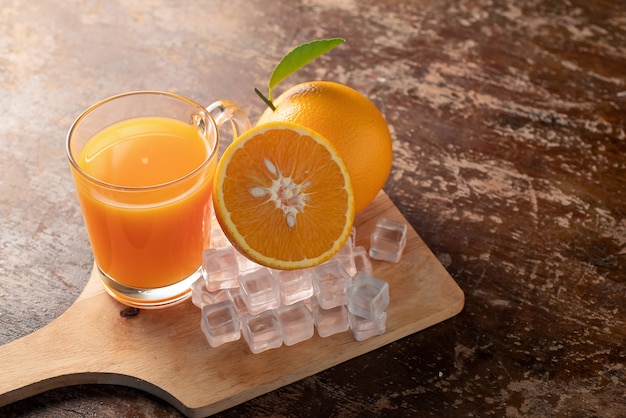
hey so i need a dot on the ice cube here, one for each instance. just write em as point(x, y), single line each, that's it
point(262, 332)
point(294, 285)
point(296, 322)
point(345, 258)
point(219, 267)
point(368, 296)
point(259, 291)
point(218, 238)
point(246, 265)
point(388, 239)
point(201, 296)
point(197, 289)
point(330, 281)
point(362, 261)
point(240, 305)
point(220, 323)
point(364, 328)
point(329, 321)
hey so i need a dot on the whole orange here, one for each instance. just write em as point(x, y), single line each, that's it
point(350, 122)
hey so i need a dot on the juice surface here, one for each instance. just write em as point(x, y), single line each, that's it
point(143, 152)
point(150, 238)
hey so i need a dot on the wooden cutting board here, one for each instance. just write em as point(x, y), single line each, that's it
point(164, 352)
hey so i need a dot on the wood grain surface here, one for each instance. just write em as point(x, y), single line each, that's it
point(508, 120)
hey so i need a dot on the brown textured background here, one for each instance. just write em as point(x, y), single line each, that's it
point(508, 121)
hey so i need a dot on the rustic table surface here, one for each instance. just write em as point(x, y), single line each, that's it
point(509, 127)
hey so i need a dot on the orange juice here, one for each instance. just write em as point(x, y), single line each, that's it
point(149, 233)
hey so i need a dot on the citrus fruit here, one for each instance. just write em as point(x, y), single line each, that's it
point(283, 196)
point(350, 122)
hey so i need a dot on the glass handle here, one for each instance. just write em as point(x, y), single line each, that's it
point(224, 110)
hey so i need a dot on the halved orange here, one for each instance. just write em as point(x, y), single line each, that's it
point(283, 196)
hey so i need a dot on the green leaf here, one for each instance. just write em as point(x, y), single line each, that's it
point(299, 57)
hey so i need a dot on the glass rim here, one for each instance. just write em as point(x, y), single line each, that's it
point(108, 185)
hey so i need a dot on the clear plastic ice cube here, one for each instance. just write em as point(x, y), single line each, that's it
point(217, 238)
point(368, 296)
point(259, 291)
point(240, 305)
point(388, 239)
point(330, 281)
point(262, 332)
point(365, 328)
point(362, 261)
point(219, 267)
point(294, 285)
point(346, 258)
point(329, 321)
point(220, 323)
point(296, 322)
point(201, 296)
point(246, 265)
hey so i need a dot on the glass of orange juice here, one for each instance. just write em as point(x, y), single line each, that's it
point(143, 166)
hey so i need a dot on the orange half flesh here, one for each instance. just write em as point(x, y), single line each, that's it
point(283, 196)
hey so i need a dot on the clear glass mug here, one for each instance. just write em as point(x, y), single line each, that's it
point(143, 165)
